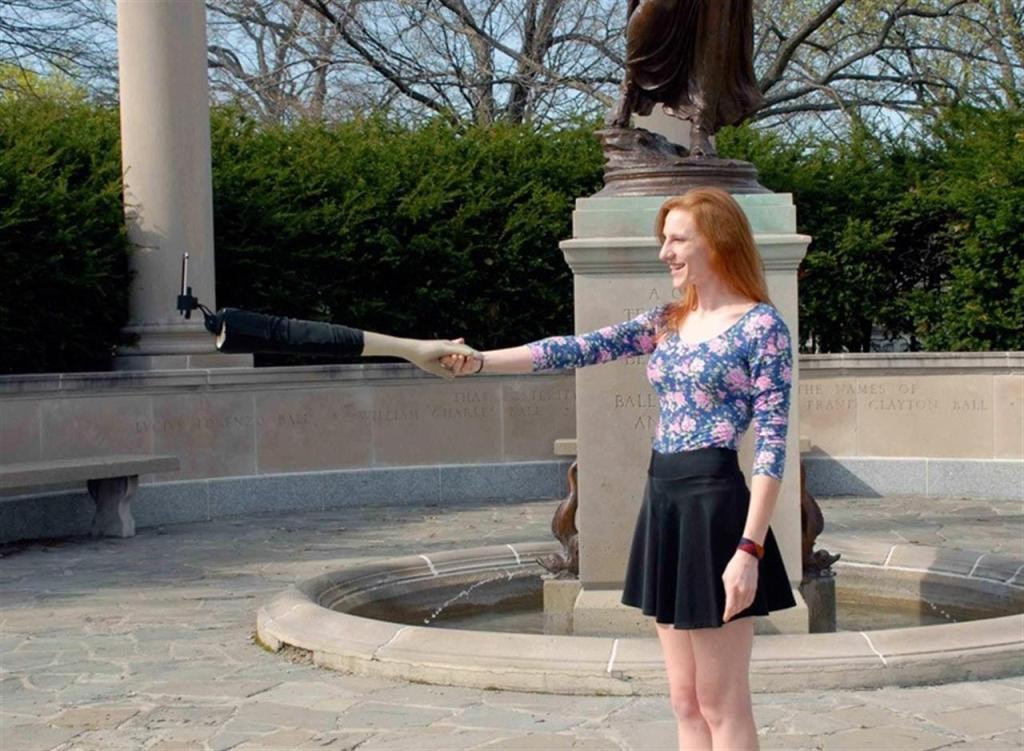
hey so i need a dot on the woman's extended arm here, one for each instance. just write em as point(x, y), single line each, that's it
point(633, 337)
point(510, 360)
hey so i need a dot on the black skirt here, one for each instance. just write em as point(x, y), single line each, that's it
point(691, 519)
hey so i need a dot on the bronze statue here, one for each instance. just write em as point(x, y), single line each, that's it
point(566, 564)
point(816, 563)
point(694, 57)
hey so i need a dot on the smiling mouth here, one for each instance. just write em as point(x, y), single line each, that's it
point(674, 267)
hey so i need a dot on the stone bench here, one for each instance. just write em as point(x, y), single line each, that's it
point(111, 481)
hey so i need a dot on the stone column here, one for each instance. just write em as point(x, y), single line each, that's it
point(617, 274)
point(165, 152)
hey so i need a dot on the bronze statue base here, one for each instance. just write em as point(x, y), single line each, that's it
point(641, 163)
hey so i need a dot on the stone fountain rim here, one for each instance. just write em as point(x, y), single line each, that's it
point(971, 650)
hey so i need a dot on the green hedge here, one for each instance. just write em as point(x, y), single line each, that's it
point(975, 169)
point(63, 250)
point(443, 231)
point(436, 232)
point(922, 237)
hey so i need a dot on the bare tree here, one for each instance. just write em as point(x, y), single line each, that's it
point(74, 38)
point(484, 61)
point(543, 60)
point(277, 59)
point(887, 58)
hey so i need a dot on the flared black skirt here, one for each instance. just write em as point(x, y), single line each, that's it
point(692, 517)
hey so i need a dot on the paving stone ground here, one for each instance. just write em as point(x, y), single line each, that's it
point(146, 643)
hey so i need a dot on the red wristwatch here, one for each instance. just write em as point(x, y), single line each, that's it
point(751, 547)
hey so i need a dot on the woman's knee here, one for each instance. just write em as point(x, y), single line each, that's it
point(719, 704)
point(722, 659)
point(685, 705)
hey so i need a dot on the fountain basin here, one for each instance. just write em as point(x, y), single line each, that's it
point(312, 616)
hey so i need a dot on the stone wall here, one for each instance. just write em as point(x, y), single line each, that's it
point(312, 438)
point(942, 424)
point(268, 439)
point(230, 422)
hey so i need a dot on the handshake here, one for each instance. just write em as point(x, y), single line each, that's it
point(461, 360)
point(453, 358)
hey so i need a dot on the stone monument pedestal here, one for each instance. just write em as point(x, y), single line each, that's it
point(616, 275)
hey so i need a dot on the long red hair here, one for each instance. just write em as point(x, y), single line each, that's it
point(733, 252)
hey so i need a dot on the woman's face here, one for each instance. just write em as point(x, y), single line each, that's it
point(685, 251)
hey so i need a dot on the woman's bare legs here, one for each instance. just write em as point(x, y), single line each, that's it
point(694, 734)
point(722, 660)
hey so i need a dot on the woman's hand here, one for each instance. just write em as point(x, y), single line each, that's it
point(460, 364)
point(431, 355)
point(740, 579)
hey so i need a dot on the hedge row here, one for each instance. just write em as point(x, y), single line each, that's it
point(443, 231)
point(63, 249)
point(437, 232)
point(923, 238)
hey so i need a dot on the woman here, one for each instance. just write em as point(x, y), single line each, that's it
point(703, 557)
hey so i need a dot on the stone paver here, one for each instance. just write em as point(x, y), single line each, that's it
point(979, 722)
point(146, 643)
point(883, 736)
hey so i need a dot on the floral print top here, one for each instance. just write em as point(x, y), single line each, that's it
point(710, 391)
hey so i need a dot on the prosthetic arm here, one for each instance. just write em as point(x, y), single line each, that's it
point(244, 332)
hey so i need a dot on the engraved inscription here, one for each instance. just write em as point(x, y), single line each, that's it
point(539, 402)
point(903, 405)
point(654, 297)
point(644, 401)
point(209, 422)
point(525, 410)
point(643, 406)
point(542, 395)
point(472, 397)
point(379, 416)
point(462, 413)
point(897, 396)
point(827, 405)
point(969, 405)
point(646, 422)
point(456, 405)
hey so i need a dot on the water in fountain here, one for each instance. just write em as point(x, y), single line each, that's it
point(505, 574)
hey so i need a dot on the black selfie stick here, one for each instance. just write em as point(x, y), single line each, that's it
point(245, 332)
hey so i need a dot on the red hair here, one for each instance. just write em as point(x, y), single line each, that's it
point(733, 252)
